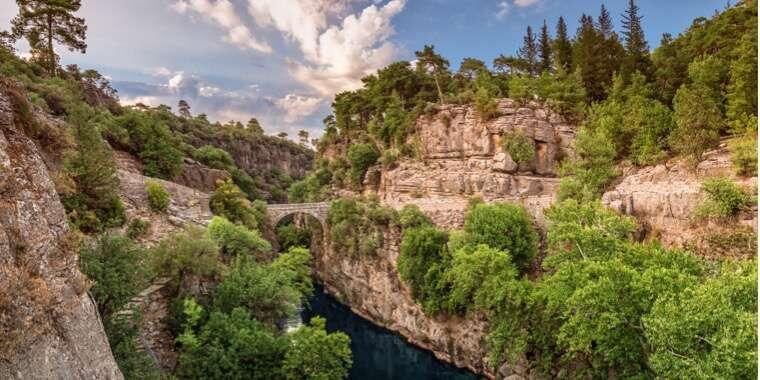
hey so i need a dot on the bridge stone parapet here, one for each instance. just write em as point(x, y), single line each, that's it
point(317, 209)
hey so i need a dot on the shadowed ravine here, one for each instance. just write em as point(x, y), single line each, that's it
point(379, 354)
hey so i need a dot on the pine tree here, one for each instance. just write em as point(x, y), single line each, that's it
point(529, 51)
point(545, 49)
point(254, 126)
point(636, 47)
point(430, 61)
point(45, 21)
point(184, 109)
point(563, 49)
point(604, 23)
point(586, 50)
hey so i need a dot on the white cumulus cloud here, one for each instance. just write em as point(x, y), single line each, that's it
point(297, 107)
point(503, 10)
point(223, 14)
point(335, 56)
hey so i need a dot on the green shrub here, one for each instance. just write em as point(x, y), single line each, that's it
point(724, 199)
point(153, 143)
point(316, 355)
point(138, 228)
point(118, 269)
point(361, 156)
point(486, 105)
point(213, 157)
point(93, 204)
point(228, 201)
point(476, 277)
point(707, 330)
point(158, 198)
point(591, 169)
point(230, 345)
point(186, 253)
point(520, 147)
point(268, 292)
point(698, 119)
point(422, 261)
point(291, 235)
point(128, 350)
point(505, 227)
point(356, 226)
point(744, 153)
point(411, 216)
point(236, 240)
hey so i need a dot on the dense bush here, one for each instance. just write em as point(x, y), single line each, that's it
point(118, 269)
point(158, 198)
point(724, 199)
point(228, 201)
point(520, 147)
point(476, 276)
point(504, 227)
point(190, 252)
point(357, 226)
point(292, 235)
point(361, 157)
point(152, 141)
point(707, 330)
point(269, 292)
point(236, 240)
point(422, 261)
point(127, 348)
point(744, 152)
point(93, 204)
point(138, 228)
point(316, 355)
point(230, 345)
point(411, 216)
point(591, 169)
point(213, 157)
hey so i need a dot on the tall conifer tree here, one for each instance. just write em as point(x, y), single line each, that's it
point(636, 47)
point(45, 21)
point(563, 49)
point(529, 51)
point(545, 49)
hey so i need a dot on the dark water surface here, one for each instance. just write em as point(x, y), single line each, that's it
point(378, 353)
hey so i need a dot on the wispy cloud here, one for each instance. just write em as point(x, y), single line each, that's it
point(223, 14)
point(503, 9)
point(525, 3)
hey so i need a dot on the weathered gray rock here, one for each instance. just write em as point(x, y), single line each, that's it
point(370, 286)
point(49, 326)
point(200, 177)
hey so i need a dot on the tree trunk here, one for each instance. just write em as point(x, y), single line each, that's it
point(50, 52)
point(438, 86)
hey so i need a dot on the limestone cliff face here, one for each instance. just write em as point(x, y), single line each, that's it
point(49, 326)
point(370, 286)
point(663, 198)
point(462, 157)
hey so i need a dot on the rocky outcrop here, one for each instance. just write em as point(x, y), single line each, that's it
point(462, 157)
point(259, 154)
point(49, 325)
point(663, 199)
point(200, 177)
point(187, 207)
point(370, 286)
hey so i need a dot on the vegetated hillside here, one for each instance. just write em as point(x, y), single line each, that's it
point(670, 136)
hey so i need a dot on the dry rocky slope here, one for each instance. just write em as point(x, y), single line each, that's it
point(49, 326)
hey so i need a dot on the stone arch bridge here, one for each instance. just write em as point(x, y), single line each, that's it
point(318, 210)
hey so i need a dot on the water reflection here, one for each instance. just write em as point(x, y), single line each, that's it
point(378, 353)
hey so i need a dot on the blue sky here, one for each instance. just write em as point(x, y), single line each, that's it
point(283, 60)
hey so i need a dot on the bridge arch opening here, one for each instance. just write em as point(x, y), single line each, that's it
point(299, 229)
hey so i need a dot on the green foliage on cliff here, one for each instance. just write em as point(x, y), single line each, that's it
point(505, 227)
point(237, 241)
point(228, 201)
point(158, 198)
point(317, 355)
point(118, 269)
point(357, 225)
point(724, 199)
point(422, 261)
point(520, 147)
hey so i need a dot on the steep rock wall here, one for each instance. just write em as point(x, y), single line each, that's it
point(49, 326)
point(370, 286)
point(462, 157)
